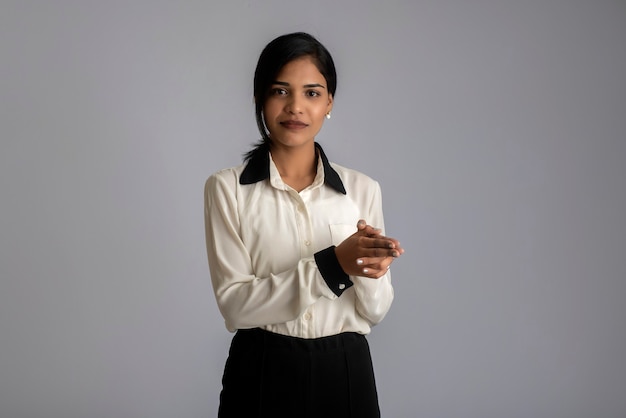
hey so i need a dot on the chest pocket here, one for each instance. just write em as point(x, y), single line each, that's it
point(339, 232)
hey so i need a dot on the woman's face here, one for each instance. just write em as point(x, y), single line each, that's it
point(298, 101)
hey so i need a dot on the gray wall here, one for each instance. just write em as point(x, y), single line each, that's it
point(496, 129)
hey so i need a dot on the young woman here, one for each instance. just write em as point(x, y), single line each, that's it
point(298, 260)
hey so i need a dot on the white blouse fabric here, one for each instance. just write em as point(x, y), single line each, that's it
point(262, 239)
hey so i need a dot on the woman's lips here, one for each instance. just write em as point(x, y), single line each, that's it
point(293, 124)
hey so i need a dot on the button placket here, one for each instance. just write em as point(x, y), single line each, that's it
point(307, 323)
point(304, 222)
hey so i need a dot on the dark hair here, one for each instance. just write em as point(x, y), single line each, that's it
point(274, 57)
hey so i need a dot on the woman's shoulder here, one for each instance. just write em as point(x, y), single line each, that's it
point(228, 176)
point(353, 177)
point(357, 184)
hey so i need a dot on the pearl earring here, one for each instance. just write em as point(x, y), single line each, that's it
point(328, 115)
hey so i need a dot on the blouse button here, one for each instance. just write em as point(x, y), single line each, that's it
point(307, 243)
point(307, 316)
point(342, 286)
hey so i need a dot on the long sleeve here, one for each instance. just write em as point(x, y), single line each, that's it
point(374, 296)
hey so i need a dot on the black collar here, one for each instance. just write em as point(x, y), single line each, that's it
point(258, 168)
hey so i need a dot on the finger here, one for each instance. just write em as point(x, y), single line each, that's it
point(382, 241)
point(378, 242)
point(370, 231)
point(373, 273)
point(395, 242)
point(397, 246)
point(378, 263)
point(367, 229)
point(377, 252)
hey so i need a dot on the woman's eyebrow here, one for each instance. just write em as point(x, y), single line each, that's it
point(308, 86)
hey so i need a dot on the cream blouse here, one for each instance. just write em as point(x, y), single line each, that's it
point(271, 249)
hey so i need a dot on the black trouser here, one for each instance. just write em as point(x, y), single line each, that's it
point(272, 375)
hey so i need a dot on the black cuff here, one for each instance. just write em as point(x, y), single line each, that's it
point(336, 279)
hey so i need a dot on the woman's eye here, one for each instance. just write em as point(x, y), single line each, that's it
point(279, 92)
point(312, 93)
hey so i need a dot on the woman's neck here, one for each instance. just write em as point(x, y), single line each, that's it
point(297, 165)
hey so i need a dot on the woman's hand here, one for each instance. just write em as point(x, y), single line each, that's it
point(367, 253)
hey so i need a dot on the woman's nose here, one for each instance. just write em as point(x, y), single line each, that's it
point(294, 105)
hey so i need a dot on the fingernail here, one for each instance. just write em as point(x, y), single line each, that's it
point(394, 254)
point(359, 262)
point(365, 271)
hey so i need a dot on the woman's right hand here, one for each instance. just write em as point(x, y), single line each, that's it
point(367, 253)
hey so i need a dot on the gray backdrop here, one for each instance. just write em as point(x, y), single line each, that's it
point(496, 129)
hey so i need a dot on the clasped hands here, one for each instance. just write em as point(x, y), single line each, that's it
point(367, 253)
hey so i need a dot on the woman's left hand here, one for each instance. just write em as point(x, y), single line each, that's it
point(374, 266)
